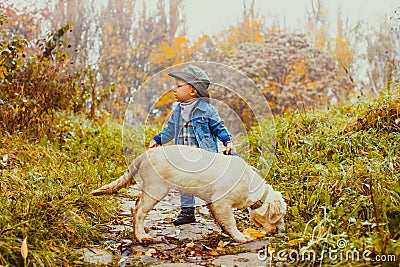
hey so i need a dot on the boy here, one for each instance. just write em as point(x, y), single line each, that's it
point(194, 122)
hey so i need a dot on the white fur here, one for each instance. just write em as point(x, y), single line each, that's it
point(224, 182)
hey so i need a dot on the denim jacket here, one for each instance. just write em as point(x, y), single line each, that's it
point(207, 124)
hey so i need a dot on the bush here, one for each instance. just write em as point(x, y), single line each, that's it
point(35, 87)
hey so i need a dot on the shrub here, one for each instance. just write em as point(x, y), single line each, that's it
point(35, 87)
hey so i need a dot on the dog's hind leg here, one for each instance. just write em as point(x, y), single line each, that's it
point(143, 207)
point(225, 218)
point(146, 203)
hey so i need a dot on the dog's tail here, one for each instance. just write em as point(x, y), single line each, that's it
point(125, 180)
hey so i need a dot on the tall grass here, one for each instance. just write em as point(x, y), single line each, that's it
point(44, 192)
point(339, 170)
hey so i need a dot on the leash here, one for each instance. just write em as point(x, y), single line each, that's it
point(231, 153)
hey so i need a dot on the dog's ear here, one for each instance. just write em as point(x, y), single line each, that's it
point(275, 211)
point(276, 207)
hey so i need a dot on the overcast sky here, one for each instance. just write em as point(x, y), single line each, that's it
point(212, 16)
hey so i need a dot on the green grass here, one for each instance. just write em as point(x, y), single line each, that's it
point(44, 193)
point(339, 172)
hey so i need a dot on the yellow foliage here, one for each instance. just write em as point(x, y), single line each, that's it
point(249, 30)
point(320, 40)
point(180, 50)
point(342, 52)
point(338, 47)
point(317, 29)
point(3, 72)
point(299, 73)
point(294, 242)
point(165, 99)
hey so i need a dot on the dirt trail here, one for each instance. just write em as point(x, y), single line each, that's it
point(197, 244)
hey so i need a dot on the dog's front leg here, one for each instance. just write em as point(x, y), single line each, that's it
point(143, 207)
point(224, 216)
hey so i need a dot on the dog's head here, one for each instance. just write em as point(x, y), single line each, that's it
point(272, 212)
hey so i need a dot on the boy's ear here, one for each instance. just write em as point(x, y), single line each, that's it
point(194, 92)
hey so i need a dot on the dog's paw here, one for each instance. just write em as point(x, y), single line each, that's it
point(248, 238)
point(243, 238)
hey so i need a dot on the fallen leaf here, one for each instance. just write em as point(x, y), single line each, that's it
point(150, 252)
point(294, 242)
point(190, 245)
point(24, 248)
point(255, 233)
point(271, 250)
point(54, 249)
point(147, 239)
point(222, 244)
point(213, 252)
point(70, 229)
point(139, 253)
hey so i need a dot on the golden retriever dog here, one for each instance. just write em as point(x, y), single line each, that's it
point(224, 182)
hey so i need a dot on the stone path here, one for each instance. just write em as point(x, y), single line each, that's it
point(170, 239)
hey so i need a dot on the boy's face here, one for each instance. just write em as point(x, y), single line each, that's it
point(184, 91)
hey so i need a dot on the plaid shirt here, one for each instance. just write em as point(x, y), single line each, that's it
point(186, 135)
point(206, 123)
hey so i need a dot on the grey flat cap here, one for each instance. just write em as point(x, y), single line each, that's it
point(196, 77)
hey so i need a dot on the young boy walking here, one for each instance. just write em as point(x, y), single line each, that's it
point(194, 122)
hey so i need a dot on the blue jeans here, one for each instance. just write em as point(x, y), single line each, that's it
point(187, 201)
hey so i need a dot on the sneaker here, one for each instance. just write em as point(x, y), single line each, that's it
point(185, 216)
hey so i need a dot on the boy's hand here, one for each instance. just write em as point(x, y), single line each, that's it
point(229, 147)
point(153, 144)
